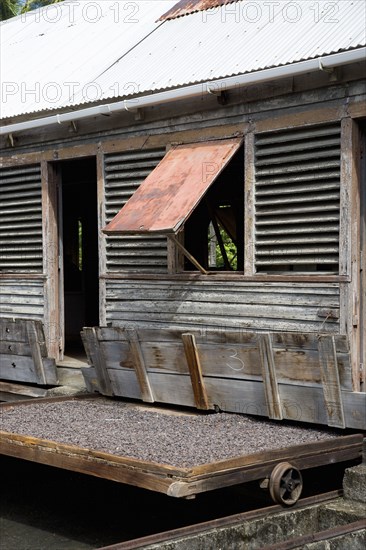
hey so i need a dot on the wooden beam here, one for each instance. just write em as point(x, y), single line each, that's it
point(195, 371)
point(95, 353)
point(330, 379)
point(102, 246)
point(188, 255)
point(50, 181)
point(36, 352)
point(147, 394)
point(249, 208)
point(273, 398)
point(349, 243)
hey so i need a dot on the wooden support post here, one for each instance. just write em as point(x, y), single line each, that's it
point(195, 371)
point(36, 353)
point(330, 378)
point(93, 349)
point(273, 398)
point(140, 367)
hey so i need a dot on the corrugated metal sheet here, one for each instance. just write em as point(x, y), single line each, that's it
point(123, 174)
point(170, 193)
point(107, 50)
point(236, 39)
point(186, 7)
point(55, 53)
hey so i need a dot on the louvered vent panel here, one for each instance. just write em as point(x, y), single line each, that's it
point(21, 219)
point(297, 200)
point(124, 172)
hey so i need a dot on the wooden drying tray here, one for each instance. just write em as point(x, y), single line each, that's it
point(170, 480)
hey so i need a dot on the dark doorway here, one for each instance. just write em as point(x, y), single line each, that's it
point(79, 237)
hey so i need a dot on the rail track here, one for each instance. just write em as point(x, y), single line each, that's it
point(59, 509)
point(206, 535)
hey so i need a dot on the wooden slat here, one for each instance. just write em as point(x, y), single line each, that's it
point(195, 371)
point(21, 391)
point(33, 337)
point(140, 367)
point(96, 358)
point(330, 379)
point(268, 367)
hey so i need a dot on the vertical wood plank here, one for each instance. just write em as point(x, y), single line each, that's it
point(95, 353)
point(350, 248)
point(195, 371)
point(249, 211)
point(52, 321)
point(140, 367)
point(330, 379)
point(102, 247)
point(34, 345)
point(363, 259)
point(273, 398)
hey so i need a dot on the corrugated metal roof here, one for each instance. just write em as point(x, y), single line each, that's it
point(53, 53)
point(186, 7)
point(170, 193)
point(224, 42)
point(115, 57)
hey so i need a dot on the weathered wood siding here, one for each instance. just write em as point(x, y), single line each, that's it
point(21, 219)
point(22, 298)
point(123, 174)
point(297, 199)
point(311, 307)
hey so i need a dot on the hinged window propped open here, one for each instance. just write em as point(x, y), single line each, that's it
point(167, 197)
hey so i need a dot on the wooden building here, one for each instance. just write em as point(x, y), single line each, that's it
point(240, 139)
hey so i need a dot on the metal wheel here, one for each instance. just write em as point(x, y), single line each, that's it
point(285, 484)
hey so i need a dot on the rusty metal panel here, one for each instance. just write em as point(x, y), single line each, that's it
point(185, 7)
point(170, 193)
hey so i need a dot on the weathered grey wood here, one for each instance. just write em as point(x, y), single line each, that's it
point(21, 391)
point(125, 383)
point(20, 368)
point(91, 380)
point(350, 238)
point(268, 367)
point(140, 367)
point(195, 371)
point(249, 217)
point(24, 352)
point(95, 357)
point(52, 312)
point(330, 379)
point(13, 330)
point(34, 343)
point(267, 306)
point(189, 256)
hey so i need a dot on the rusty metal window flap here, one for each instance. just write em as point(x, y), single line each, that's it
point(168, 196)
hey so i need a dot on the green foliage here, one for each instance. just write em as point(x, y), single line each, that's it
point(230, 249)
point(34, 4)
point(8, 9)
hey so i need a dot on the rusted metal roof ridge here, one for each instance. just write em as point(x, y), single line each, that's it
point(186, 7)
point(167, 197)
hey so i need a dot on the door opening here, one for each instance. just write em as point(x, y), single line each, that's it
point(79, 251)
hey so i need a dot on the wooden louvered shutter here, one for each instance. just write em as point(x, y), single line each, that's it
point(21, 219)
point(124, 172)
point(297, 200)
